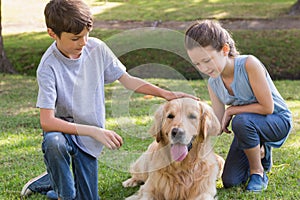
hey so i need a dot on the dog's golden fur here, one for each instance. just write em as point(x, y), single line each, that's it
point(195, 176)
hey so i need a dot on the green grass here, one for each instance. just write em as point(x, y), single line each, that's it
point(20, 141)
point(164, 10)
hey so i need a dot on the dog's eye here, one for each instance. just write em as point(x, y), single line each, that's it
point(192, 116)
point(170, 116)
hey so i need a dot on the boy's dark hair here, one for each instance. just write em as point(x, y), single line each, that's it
point(70, 16)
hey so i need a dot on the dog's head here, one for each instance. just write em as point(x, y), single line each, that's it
point(181, 121)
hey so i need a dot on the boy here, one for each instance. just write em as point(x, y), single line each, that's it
point(71, 78)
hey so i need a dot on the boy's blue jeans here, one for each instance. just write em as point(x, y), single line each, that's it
point(250, 130)
point(59, 154)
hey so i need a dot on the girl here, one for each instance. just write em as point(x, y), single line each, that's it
point(261, 117)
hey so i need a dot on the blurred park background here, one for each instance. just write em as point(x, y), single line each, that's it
point(268, 29)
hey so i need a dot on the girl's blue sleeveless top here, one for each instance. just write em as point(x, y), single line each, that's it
point(243, 93)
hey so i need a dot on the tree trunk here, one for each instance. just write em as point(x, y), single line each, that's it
point(295, 9)
point(5, 64)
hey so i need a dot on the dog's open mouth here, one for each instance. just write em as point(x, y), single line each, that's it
point(180, 151)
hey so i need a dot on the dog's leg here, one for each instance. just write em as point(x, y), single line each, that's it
point(131, 182)
point(133, 197)
point(141, 196)
point(205, 196)
point(141, 167)
point(221, 163)
point(136, 178)
point(138, 172)
point(136, 197)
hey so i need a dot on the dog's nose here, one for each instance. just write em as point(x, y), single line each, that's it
point(177, 133)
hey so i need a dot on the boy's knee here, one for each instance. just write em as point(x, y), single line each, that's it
point(54, 141)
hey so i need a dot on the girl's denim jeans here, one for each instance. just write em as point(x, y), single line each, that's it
point(60, 153)
point(251, 130)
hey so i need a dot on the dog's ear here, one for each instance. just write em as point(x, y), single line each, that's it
point(156, 127)
point(209, 123)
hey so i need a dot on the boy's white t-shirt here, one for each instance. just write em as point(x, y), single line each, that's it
point(74, 88)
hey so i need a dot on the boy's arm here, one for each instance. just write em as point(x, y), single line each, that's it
point(141, 86)
point(50, 123)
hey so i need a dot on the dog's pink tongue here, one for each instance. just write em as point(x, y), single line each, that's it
point(179, 152)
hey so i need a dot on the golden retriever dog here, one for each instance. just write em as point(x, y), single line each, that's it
point(180, 164)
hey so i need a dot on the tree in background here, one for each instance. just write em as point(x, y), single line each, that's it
point(295, 9)
point(5, 64)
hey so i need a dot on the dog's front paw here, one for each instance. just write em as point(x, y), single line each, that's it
point(133, 197)
point(132, 182)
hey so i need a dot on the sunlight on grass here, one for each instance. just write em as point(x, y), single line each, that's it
point(295, 144)
point(170, 10)
point(132, 126)
point(125, 121)
point(200, 9)
point(220, 15)
point(15, 146)
point(6, 141)
point(26, 110)
point(105, 7)
point(294, 106)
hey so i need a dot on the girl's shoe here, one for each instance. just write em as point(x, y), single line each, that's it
point(257, 183)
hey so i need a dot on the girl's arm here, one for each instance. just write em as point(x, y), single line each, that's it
point(50, 123)
point(258, 81)
point(141, 86)
point(218, 106)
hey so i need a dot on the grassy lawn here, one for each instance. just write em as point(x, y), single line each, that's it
point(193, 9)
point(20, 141)
point(131, 115)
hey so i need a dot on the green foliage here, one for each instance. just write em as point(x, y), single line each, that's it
point(25, 50)
point(277, 49)
point(130, 115)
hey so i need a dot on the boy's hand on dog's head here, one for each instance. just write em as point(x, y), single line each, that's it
point(177, 95)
